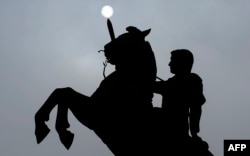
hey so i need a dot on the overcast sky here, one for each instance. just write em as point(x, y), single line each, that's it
point(46, 44)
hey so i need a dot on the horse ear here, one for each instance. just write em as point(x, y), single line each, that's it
point(146, 32)
point(132, 29)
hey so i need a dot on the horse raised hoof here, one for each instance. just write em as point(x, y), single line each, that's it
point(41, 131)
point(66, 138)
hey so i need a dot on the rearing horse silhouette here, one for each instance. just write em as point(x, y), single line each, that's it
point(120, 110)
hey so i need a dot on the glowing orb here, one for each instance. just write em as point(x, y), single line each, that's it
point(107, 11)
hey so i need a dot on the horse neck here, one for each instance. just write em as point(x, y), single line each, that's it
point(138, 70)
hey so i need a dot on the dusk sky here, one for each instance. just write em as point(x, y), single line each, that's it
point(48, 44)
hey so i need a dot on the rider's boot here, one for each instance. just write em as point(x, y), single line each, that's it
point(41, 129)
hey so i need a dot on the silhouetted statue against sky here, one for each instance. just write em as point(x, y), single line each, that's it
point(119, 110)
point(182, 98)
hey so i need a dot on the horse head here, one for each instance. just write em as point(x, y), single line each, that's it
point(130, 52)
point(118, 50)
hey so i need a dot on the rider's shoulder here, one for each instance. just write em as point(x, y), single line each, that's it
point(195, 78)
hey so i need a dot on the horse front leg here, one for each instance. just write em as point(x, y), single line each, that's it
point(66, 137)
point(64, 98)
point(42, 115)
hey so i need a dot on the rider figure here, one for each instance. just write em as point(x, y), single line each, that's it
point(182, 96)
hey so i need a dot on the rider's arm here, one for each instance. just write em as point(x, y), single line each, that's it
point(197, 99)
point(195, 115)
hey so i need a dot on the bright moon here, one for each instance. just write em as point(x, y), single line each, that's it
point(107, 11)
